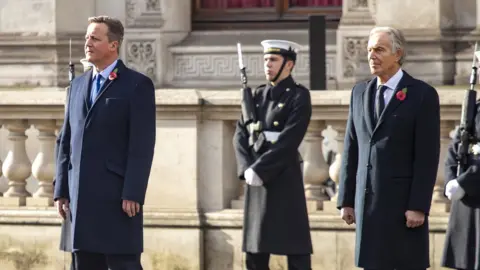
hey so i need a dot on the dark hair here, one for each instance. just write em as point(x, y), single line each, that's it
point(115, 28)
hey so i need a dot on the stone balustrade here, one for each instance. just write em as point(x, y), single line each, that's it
point(193, 184)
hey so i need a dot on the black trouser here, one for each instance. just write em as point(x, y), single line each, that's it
point(259, 261)
point(97, 261)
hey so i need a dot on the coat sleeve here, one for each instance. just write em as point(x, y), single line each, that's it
point(269, 165)
point(348, 169)
point(142, 136)
point(62, 156)
point(241, 148)
point(426, 152)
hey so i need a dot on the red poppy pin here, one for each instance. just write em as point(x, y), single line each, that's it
point(401, 95)
point(113, 75)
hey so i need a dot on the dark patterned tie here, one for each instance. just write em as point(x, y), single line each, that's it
point(380, 102)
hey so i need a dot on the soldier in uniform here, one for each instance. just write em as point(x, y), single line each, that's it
point(276, 219)
point(462, 245)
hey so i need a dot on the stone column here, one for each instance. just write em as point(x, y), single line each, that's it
point(26, 24)
point(352, 40)
point(439, 201)
point(429, 31)
point(467, 24)
point(334, 170)
point(151, 26)
point(315, 168)
point(17, 166)
point(43, 167)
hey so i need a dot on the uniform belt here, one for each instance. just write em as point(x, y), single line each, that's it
point(271, 136)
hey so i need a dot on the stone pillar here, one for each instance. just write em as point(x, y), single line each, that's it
point(352, 40)
point(43, 167)
point(334, 170)
point(467, 26)
point(439, 201)
point(315, 168)
point(151, 26)
point(17, 166)
point(429, 31)
point(25, 24)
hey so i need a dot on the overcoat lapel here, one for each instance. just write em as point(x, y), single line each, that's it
point(394, 101)
point(108, 82)
point(368, 95)
point(84, 87)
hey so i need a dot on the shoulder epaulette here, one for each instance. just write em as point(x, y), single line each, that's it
point(299, 85)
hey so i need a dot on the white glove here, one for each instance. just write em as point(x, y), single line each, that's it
point(453, 190)
point(252, 178)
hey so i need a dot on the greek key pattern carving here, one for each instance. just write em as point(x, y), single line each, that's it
point(143, 14)
point(354, 51)
point(141, 56)
point(224, 67)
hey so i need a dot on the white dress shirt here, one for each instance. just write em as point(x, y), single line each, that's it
point(392, 84)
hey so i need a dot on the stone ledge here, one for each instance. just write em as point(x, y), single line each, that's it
point(200, 104)
point(228, 218)
point(178, 97)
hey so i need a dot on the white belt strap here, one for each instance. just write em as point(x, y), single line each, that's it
point(271, 136)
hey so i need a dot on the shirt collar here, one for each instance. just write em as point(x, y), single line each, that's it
point(392, 83)
point(106, 72)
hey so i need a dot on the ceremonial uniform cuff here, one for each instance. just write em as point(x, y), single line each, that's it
point(252, 178)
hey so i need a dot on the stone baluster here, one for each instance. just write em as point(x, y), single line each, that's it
point(439, 201)
point(334, 170)
point(17, 166)
point(315, 168)
point(1, 194)
point(43, 167)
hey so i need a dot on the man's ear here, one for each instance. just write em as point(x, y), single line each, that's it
point(114, 45)
point(399, 54)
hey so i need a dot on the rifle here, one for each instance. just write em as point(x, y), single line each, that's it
point(71, 75)
point(467, 120)
point(250, 120)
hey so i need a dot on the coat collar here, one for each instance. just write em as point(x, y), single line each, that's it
point(86, 82)
point(368, 101)
point(276, 91)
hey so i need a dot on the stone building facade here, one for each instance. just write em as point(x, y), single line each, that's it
point(180, 45)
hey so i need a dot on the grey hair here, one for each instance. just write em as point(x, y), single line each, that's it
point(396, 37)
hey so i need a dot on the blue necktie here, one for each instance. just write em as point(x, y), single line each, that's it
point(96, 90)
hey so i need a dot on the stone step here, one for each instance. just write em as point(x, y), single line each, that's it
point(209, 59)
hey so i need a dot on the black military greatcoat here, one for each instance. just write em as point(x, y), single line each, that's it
point(462, 243)
point(388, 168)
point(276, 219)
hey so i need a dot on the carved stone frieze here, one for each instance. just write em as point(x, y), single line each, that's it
point(357, 4)
point(143, 14)
point(222, 68)
point(141, 56)
point(354, 51)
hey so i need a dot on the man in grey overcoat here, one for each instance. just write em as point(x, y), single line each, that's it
point(390, 160)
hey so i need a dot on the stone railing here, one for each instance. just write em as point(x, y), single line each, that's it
point(193, 182)
point(194, 164)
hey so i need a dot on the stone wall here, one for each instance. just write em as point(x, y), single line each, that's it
point(35, 34)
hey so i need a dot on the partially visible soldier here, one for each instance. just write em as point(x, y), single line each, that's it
point(276, 219)
point(462, 245)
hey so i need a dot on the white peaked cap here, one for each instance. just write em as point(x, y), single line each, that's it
point(280, 46)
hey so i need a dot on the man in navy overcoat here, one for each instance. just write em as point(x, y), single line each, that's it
point(105, 154)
